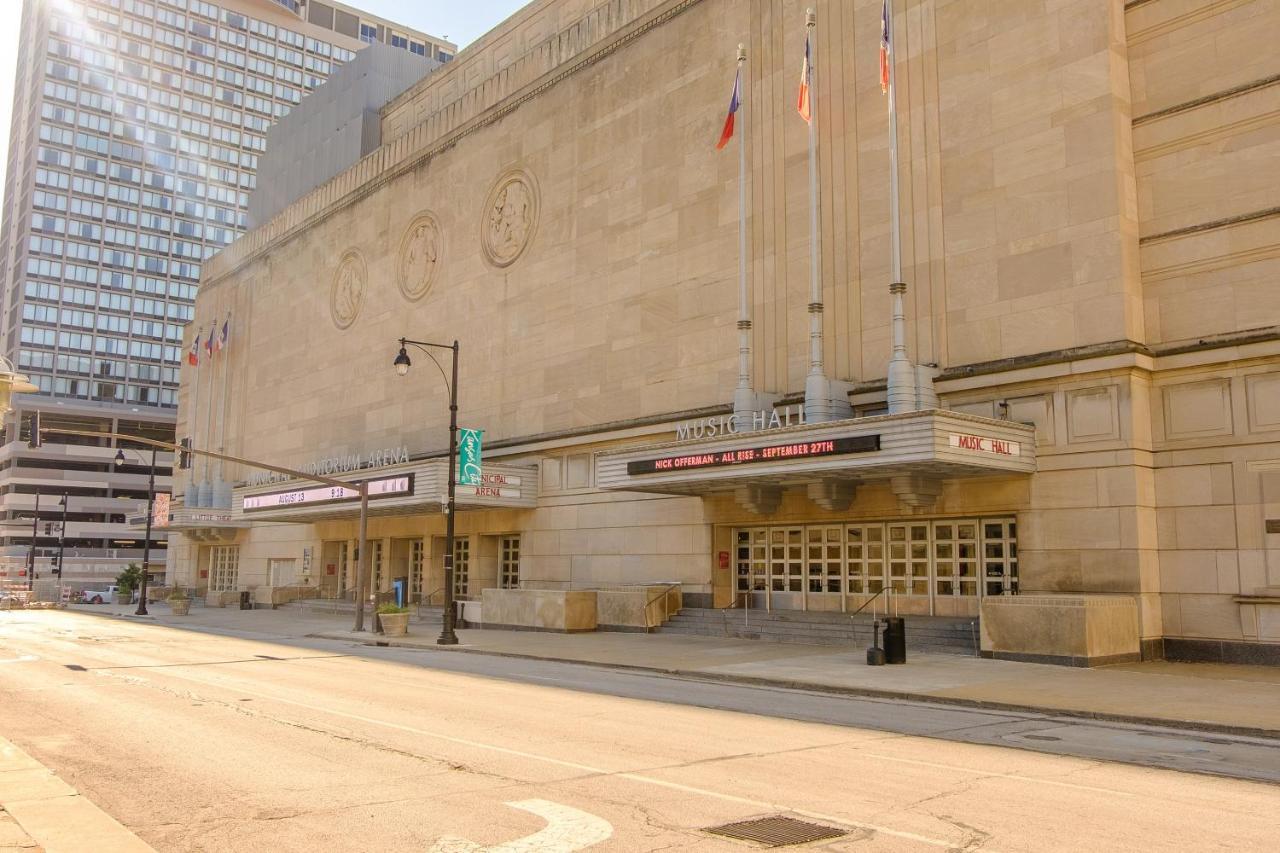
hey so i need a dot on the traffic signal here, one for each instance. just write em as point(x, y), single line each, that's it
point(184, 455)
point(48, 528)
point(34, 440)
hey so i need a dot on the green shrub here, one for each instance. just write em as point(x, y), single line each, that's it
point(391, 609)
point(130, 579)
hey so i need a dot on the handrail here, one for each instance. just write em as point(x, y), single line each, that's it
point(882, 591)
point(666, 590)
point(427, 598)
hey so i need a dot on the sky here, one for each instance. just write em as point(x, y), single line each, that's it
point(459, 22)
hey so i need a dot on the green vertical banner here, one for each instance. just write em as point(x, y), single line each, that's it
point(469, 443)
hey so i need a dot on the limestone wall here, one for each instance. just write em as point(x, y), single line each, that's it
point(1205, 99)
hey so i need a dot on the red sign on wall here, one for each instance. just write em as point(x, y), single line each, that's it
point(204, 573)
point(724, 559)
point(330, 569)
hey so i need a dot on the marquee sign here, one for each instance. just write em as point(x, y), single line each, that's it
point(386, 487)
point(756, 454)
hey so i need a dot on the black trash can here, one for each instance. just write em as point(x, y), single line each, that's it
point(895, 640)
point(246, 603)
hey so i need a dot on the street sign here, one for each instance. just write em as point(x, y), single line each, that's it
point(469, 449)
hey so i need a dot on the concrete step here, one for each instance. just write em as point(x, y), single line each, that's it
point(925, 634)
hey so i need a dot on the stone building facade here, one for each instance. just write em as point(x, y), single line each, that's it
point(1090, 252)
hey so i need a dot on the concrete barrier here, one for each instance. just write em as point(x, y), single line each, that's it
point(1075, 630)
point(565, 611)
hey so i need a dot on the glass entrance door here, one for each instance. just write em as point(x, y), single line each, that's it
point(937, 567)
point(1000, 557)
point(824, 567)
point(786, 568)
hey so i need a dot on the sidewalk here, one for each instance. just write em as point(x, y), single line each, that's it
point(40, 812)
point(1220, 697)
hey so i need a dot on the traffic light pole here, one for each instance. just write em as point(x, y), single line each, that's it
point(37, 439)
point(31, 555)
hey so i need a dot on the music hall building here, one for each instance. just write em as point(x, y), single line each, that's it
point(1060, 418)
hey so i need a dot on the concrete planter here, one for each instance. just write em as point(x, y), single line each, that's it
point(180, 606)
point(394, 624)
point(124, 598)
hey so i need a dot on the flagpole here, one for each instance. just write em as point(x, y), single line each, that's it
point(744, 301)
point(901, 391)
point(222, 406)
point(208, 430)
point(815, 248)
point(193, 491)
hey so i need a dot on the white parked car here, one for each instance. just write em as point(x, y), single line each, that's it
point(100, 596)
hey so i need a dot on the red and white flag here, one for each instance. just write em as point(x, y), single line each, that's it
point(735, 101)
point(806, 78)
point(886, 47)
point(193, 354)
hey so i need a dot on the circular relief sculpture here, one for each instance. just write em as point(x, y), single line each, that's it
point(347, 295)
point(419, 256)
point(509, 218)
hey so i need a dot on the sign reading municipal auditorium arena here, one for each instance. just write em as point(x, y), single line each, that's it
point(759, 453)
point(386, 487)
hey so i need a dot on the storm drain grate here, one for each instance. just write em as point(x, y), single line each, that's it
point(777, 831)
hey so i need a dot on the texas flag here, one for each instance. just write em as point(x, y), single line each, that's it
point(886, 47)
point(735, 101)
point(193, 354)
point(806, 77)
point(222, 338)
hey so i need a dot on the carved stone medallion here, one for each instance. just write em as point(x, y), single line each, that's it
point(347, 295)
point(420, 254)
point(510, 216)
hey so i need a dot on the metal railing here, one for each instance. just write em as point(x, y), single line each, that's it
point(667, 589)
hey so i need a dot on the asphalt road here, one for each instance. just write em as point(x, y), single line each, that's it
point(213, 742)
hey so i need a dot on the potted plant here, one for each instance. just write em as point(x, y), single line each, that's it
point(126, 582)
point(394, 619)
point(179, 601)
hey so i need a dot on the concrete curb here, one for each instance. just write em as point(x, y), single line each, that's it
point(53, 814)
point(839, 690)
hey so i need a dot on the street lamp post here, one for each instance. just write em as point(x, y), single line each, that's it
point(62, 533)
point(146, 542)
point(448, 636)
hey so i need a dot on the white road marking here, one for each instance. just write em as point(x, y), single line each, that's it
point(567, 830)
point(21, 659)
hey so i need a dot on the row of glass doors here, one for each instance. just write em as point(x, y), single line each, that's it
point(939, 567)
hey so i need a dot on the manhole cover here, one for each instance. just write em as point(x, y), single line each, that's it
point(777, 831)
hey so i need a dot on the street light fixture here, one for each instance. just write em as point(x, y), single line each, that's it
point(146, 542)
point(12, 382)
point(448, 636)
